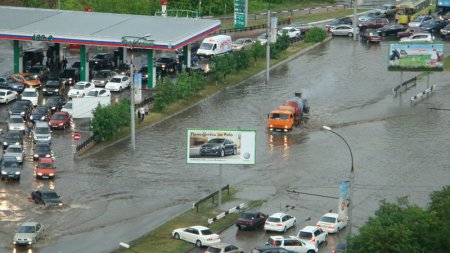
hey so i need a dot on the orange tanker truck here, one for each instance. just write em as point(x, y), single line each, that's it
point(289, 114)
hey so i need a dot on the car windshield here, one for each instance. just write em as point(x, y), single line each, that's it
point(52, 84)
point(40, 110)
point(262, 36)
point(206, 46)
point(8, 164)
point(216, 141)
point(239, 42)
point(29, 94)
point(279, 116)
point(99, 56)
point(328, 219)
point(42, 130)
point(42, 149)
point(101, 75)
point(27, 229)
point(92, 93)
point(305, 235)
point(50, 195)
point(14, 150)
point(68, 73)
point(28, 78)
point(418, 19)
point(115, 80)
point(16, 120)
point(34, 70)
point(248, 216)
point(206, 232)
point(78, 87)
point(13, 137)
point(164, 60)
point(57, 117)
point(45, 166)
point(214, 250)
point(273, 219)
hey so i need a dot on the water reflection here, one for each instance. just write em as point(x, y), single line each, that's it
point(23, 250)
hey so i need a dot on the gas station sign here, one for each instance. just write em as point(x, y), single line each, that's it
point(240, 13)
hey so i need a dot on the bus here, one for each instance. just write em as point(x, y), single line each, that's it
point(407, 11)
point(443, 5)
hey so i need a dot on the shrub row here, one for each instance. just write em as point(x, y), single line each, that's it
point(108, 120)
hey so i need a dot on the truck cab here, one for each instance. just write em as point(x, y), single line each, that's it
point(280, 120)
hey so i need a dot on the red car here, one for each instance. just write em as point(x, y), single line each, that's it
point(374, 23)
point(370, 36)
point(45, 168)
point(59, 120)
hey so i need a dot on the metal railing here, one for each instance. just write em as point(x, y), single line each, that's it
point(85, 143)
point(211, 196)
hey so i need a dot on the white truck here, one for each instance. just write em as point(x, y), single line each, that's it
point(216, 45)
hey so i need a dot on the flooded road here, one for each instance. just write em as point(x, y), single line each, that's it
point(117, 195)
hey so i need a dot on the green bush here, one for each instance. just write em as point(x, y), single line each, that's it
point(257, 51)
point(315, 35)
point(108, 120)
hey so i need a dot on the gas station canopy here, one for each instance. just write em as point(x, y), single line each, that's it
point(102, 29)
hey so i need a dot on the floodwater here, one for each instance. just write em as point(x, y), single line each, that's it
point(117, 195)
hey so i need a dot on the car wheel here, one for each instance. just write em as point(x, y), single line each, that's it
point(198, 243)
point(295, 223)
point(222, 153)
point(350, 35)
point(310, 251)
point(284, 229)
point(234, 151)
point(120, 89)
point(239, 227)
point(176, 236)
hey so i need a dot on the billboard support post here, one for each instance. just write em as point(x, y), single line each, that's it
point(220, 186)
point(428, 80)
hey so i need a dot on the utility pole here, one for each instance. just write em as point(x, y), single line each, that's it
point(354, 19)
point(268, 47)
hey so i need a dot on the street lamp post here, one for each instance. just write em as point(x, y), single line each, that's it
point(127, 246)
point(352, 181)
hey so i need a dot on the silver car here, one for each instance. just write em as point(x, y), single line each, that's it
point(343, 30)
point(28, 233)
point(16, 123)
point(102, 77)
point(42, 133)
point(15, 151)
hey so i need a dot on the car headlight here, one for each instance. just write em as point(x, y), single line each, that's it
point(4, 172)
point(5, 143)
point(59, 204)
point(35, 155)
point(17, 143)
point(56, 90)
point(70, 78)
point(53, 107)
point(47, 155)
point(60, 124)
point(31, 117)
point(215, 148)
point(18, 157)
point(43, 118)
point(44, 89)
point(39, 174)
point(22, 113)
point(163, 66)
point(51, 175)
point(10, 112)
point(17, 172)
point(92, 80)
point(146, 75)
point(102, 81)
point(21, 127)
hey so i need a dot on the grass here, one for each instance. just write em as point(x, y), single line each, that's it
point(160, 239)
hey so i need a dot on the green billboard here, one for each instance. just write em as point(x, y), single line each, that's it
point(240, 13)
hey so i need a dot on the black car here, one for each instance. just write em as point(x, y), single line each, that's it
point(21, 107)
point(38, 72)
point(40, 113)
point(10, 168)
point(432, 26)
point(144, 72)
point(13, 138)
point(123, 69)
point(391, 29)
point(11, 84)
point(46, 197)
point(70, 76)
point(218, 147)
point(165, 65)
point(33, 56)
point(445, 32)
point(76, 65)
point(340, 21)
point(55, 103)
point(102, 58)
point(53, 87)
point(42, 150)
point(251, 220)
point(270, 249)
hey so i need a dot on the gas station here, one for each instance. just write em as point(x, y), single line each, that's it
point(94, 29)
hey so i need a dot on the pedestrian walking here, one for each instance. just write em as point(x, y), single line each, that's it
point(142, 113)
point(139, 115)
point(28, 128)
point(64, 63)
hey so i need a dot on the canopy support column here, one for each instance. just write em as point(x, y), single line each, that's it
point(84, 64)
point(18, 59)
point(187, 56)
point(151, 70)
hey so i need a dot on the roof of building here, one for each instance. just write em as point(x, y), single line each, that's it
point(101, 29)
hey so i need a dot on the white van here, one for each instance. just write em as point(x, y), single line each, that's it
point(42, 133)
point(216, 45)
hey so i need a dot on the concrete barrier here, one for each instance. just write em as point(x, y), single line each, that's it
point(422, 94)
point(223, 214)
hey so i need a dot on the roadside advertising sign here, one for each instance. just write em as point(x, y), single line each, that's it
point(221, 146)
point(273, 29)
point(137, 88)
point(240, 13)
point(344, 199)
point(416, 57)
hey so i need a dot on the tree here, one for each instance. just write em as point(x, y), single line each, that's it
point(440, 206)
point(315, 35)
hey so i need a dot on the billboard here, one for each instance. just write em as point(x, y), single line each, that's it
point(240, 13)
point(137, 88)
point(416, 57)
point(221, 146)
point(344, 199)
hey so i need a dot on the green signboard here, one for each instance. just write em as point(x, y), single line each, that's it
point(240, 13)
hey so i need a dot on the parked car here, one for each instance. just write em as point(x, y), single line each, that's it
point(339, 21)
point(40, 113)
point(408, 32)
point(55, 103)
point(280, 222)
point(418, 37)
point(331, 223)
point(391, 29)
point(16, 123)
point(433, 26)
point(45, 169)
point(42, 133)
point(166, 65)
point(144, 72)
point(98, 92)
point(199, 235)
point(7, 96)
point(11, 84)
point(373, 23)
point(22, 108)
point(291, 32)
point(419, 20)
point(313, 234)
point(369, 36)
point(302, 27)
point(251, 220)
point(33, 56)
point(59, 120)
point(38, 72)
point(124, 69)
point(10, 168)
point(445, 32)
point(262, 39)
point(15, 151)
point(389, 10)
point(42, 150)
point(70, 76)
point(67, 108)
point(102, 58)
point(53, 87)
point(28, 233)
point(242, 43)
point(270, 249)
point(218, 147)
point(118, 83)
point(47, 198)
point(292, 243)
point(223, 248)
point(27, 80)
point(371, 14)
point(13, 138)
point(30, 94)
point(102, 77)
point(343, 30)
point(80, 89)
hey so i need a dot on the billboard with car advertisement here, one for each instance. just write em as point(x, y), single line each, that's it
point(221, 146)
point(416, 57)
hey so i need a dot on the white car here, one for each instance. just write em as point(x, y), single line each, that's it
point(80, 89)
point(313, 234)
point(199, 235)
point(418, 37)
point(7, 96)
point(331, 223)
point(16, 122)
point(98, 92)
point(291, 32)
point(343, 30)
point(118, 83)
point(67, 108)
point(280, 222)
point(242, 43)
point(28, 233)
point(15, 151)
point(292, 243)
point(31, 94)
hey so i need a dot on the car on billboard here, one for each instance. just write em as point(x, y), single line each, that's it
point(218, 147)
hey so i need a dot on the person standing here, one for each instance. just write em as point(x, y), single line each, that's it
point(64, 63)
point(142, 113)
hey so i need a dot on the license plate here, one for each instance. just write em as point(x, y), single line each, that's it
point(11, 176)
point(44, 176)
